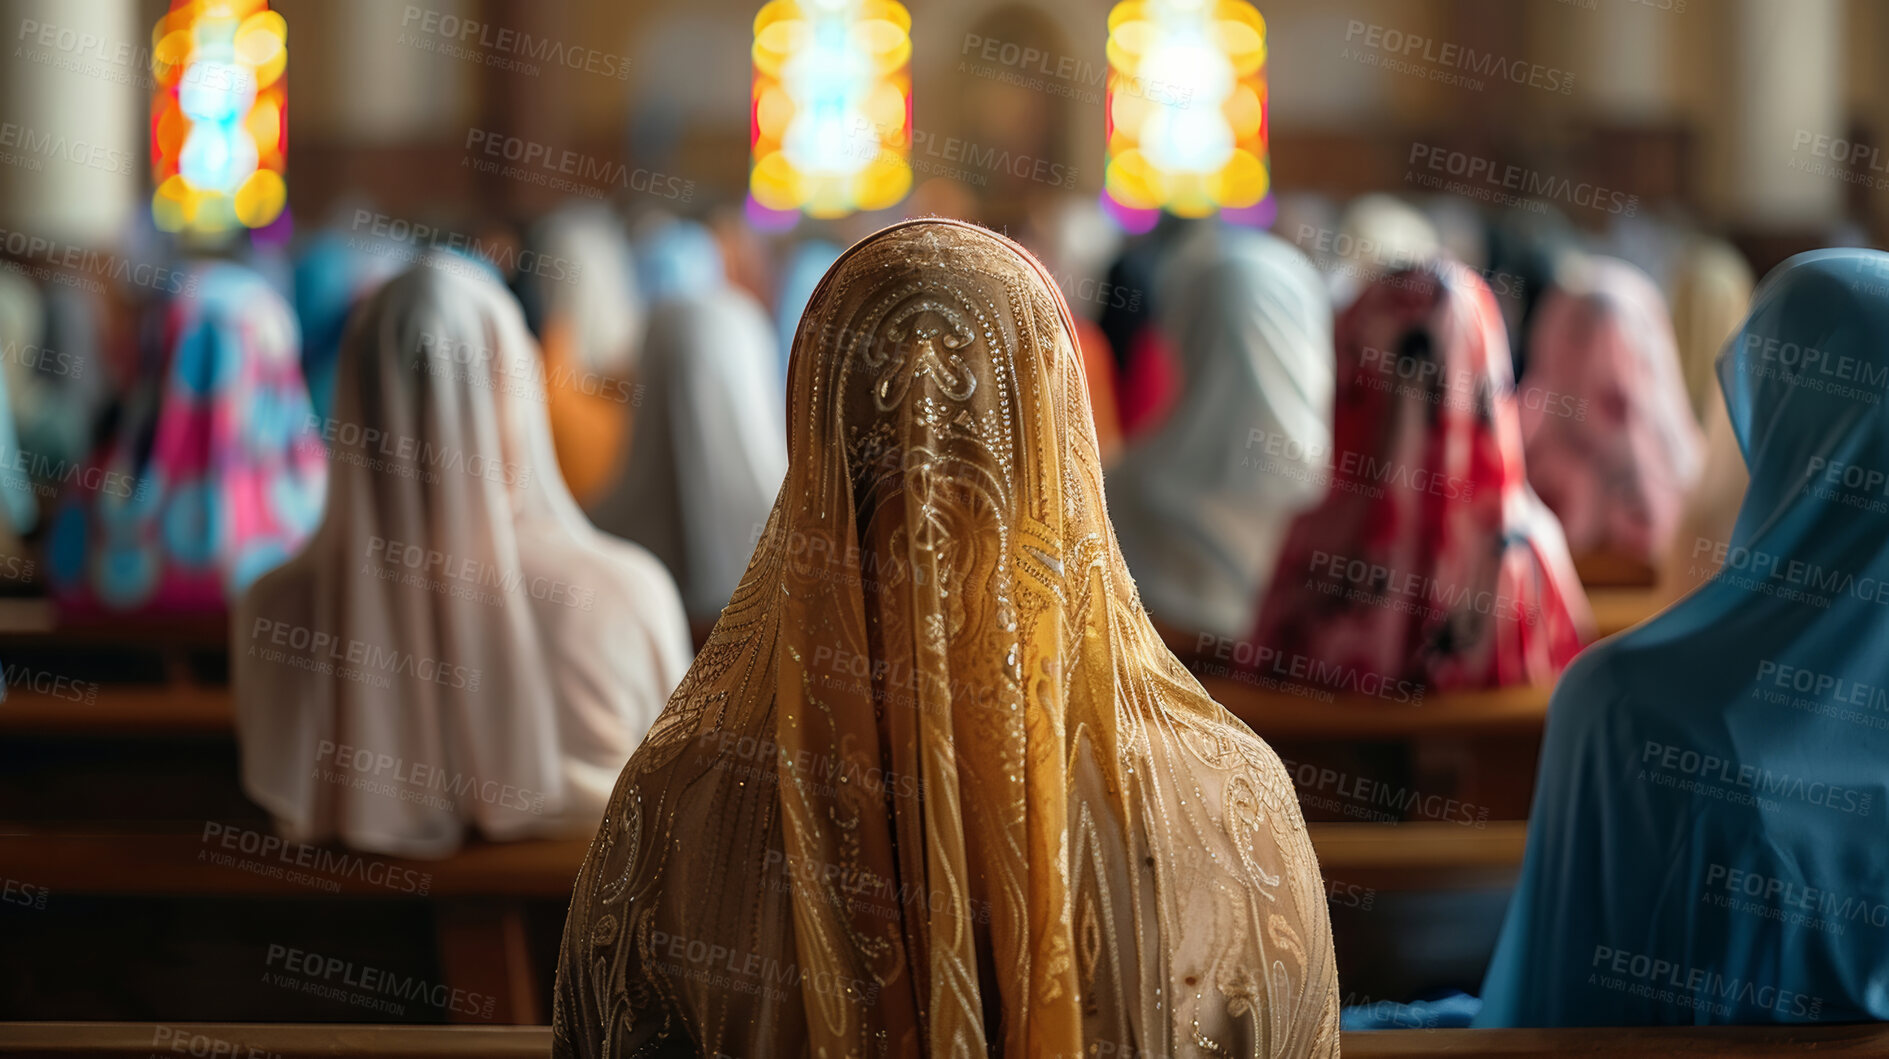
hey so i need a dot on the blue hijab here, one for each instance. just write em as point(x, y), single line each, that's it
point(331, 275)
point(807, 265)
point(676, 258)
point(1710, 836)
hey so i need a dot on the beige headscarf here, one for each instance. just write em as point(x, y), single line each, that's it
point(1711, 291)
point(455, 646)
point(1711, 294)
point(934, 786)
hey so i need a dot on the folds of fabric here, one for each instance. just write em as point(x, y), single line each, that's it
point(582, 298)
point(934, 786)
point(1613, 448)
point(454, 615)
point(1202, 503)
point(215, 474)
point(1430, 564)
point(705, 455)
point(1707, 841)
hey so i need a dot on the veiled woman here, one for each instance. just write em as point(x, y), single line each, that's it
point(214, 472)
point(1430, 562)
point(704, 459)
point(1612, 445)
point(1202, 503)
point(1707, 843)
point(934, 787)
point(454, 613)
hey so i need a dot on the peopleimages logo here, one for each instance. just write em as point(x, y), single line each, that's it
point(505, 48)
point(347, 658)
point(1455, 57)
point(1688, 986)
point(374, 983)
point(34, 145)
point(1847, 484)
point(277, 858)
point(1366, 259)
point(1704, 770)
point(1429, 596)
point(1484, 179)
point(566, 170)
point(1352, 471)
point(1818, 370)
point(1288, 666)
point(1795, 899)
point(72, 260)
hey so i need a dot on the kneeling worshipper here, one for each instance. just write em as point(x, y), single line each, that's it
point(1612, 445)
point(708, 446)
point(934, 786)
point(1430, 565)
point(454, 613)
point(216, 470)
point(1202, 502)
point(1707, 844)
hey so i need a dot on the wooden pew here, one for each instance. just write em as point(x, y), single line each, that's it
point(178, 709)
point(1632, 1043)
point(124, 1040)
point(478, 896)
point(136, 1040)
point(1409, 856)
point(1281, 716)
point(1422, 855)
point(34, 621)
point(1620, 609)
point(1609, 570)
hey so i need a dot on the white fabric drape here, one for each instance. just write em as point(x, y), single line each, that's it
point(456, 646)
point(1201, 505)
point(709, 448)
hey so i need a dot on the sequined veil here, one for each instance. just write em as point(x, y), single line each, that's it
point(934, 786)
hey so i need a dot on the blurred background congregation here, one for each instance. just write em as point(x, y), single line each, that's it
point(1405, 401)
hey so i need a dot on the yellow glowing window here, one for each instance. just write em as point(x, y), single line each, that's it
point(831, 117)
point(1186, 109)
point(219, 117)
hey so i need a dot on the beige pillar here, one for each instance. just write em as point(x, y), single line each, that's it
point(74, 92)
point(1787, 81)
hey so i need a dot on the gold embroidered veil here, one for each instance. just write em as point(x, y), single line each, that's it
point(934, 787)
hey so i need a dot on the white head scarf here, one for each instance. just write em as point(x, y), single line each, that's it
point(709, 448)
point(455, 645)
point(1378, 234)
point(1201, 505)
point(586, 272)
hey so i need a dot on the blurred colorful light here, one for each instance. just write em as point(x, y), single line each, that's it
point(831, 114)
point(1186, 108)
point(219, 118)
